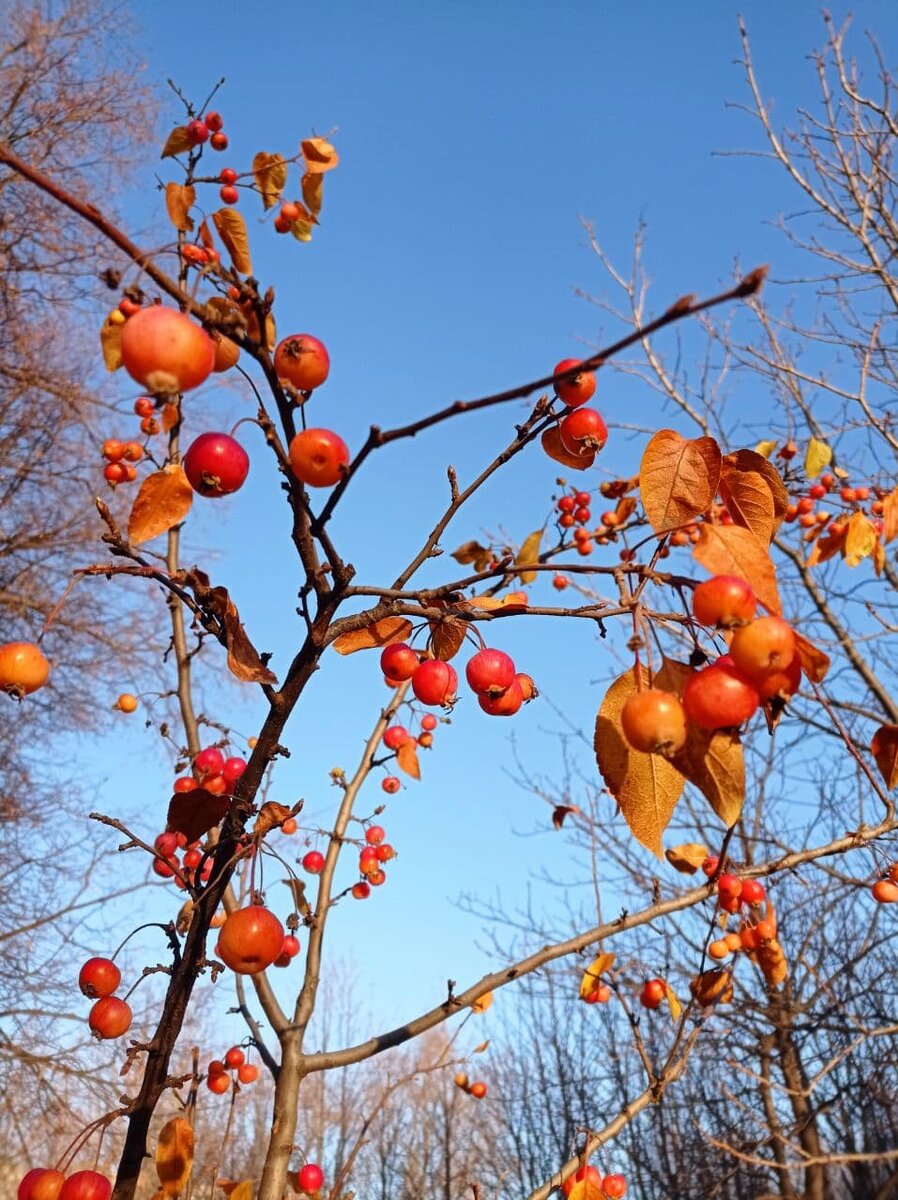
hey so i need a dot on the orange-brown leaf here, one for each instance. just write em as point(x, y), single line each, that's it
point(860, 538)
point(271, 815)
point(171, 414)
point(447, 637)
point(482, 1003)
point(232, 231)
point(560, 811)
point(646, 786)
point(179, 198)
point(754, 493)
point(174, 1155)
point(687, 857)
point(313, 192)
point(237, 1191)
point(111, 340)
point(732, 550)
point(474, 554)
point(382, 633)
point(712, 987)
point(270, 174)
point(829, 545)
point(814, 662)
point(884, 749)
point(678, 478)
point(552, 445)
point(319, 155)
point(890, 516)
point(407, 759)
point(772, 962)
point(244, 661)
point(195, 812)
point(163, 501)
point(592, 976)
point(177, 142)
point(624, 509)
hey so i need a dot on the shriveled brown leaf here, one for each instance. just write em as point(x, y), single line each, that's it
point(474, 554)
point(814, 661)
point(732, 550)
point(374, 637)
point(254, 331)
point(298, 888)
point(232, 231)
point(177, 142)
point(624, 509)
point(528, 556)
point(271, 815)
point(646, 786)
point(407, 759)
point(754, 492)
point(712, 987)
point(591, 977)
point(687, 857)
point(270, 174)
point(179, 198)
point(319, 155)
point(184, 917)
point(163, 501)
point(111, 340)
point(244, 661)
point(313, 192)
point(678, 478)
point(481, 1048)
point(169, 417)
point(613, 489)
point(560, 811)
point(860, 539)
point(553, 446)
point(884, 748)
point(208, 243)
point(195, 812)
point(447, 636)
point(174, 1155)
point(772, 962)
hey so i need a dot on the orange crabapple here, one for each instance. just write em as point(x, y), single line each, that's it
point(654, 722)
point(724, 602)
point(765, 645)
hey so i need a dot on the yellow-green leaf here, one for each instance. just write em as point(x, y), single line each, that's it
point(302, 230)
point(817, 456)
point(270, 174)
point(177, 142)
point(111, 340)
point(678, 478)
point(593, 973)
point(179, 200)
point(174, 1155)
point(765, 449)
point(528, 556)
point(232, 231)
point(860, 539)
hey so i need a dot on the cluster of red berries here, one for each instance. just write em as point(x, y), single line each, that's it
point(46, 1183)
point(590, 1179)
point(803, 511)
point(397, 735)
point(582, 432)
point(110, 1017)
point(491, 675)
point(735, 895)
point(208, 129)
point(217, 1078)
point(885, 891)
point(120, 459)
point(169, 866)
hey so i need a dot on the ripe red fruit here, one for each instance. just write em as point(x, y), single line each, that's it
point(390, 784)
point(248, 1073)
point(313, 862)
point(709, 866)
point(396, 736)
point(654, 722)
point(583, 432)
point(429, 722)
point(144, 406)
point(110, 1017)
point(375, 834)
point(234, 1058)
point(186, 783)
point(361, 891)
point(197, 132)
point(653, 992)
point(376, 878)
point(885, 891)
point(490, 672)
point(724, 601)
point(218, 1083)
point(229, 194)
point(560, 582)
point(477, 1090)
point(584, 1175)
point(752, 891)
point(318, 456)
point(577, 390)
point(219, 141)
point(23, 668)
point(506, 703)
point(435, 682)
point(766, 645)
point(310, 1178)
point(214, 121)
point(99, 977)
point(289, 826)
point(783, 683)
point(385, 852)
point(718, 697)
point(729, 886)
point(86, 1185)
point(233, 768)
point(216, 465)
point(600, 995)
point(165, 351)
point(614, 1186)
point(227, 175)
point(567, 504)
point(303, 361)
point(165, 867)
point(291, 946)
point(208, 762)
point(399, 661)
point(41, 1183)
point(250, 940)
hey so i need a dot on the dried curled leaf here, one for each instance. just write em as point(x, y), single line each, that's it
point(592, 975)
point(553, 446)
point(195, 812)
point(884, 748)
point(271, 815)
point(687, 857)
point(174, 1155)
point(298, 888)
point(177, 142)
point(179, 200)
point(814, 662)
point(732, 550)
point(111, 340)
point(319, 155)
point(447, 636)
point(817, 456)
point(374, 637)
point(712, 987)
point(474, 554)
point(313, 192)
point(407, 759)
point(232, 231)
point(481, 1048)
point(513, 600)
point(244, 661)
point(184, 917)
point(772, 962)
point(560, 811)
point(528, 556)
point(678, 478)
point(482, 1003)
point(164, 500)
point(270, 174)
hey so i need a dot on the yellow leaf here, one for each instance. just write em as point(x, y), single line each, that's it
point(312, 192)
point(678, 478)
point(374, 637)
point(884, 749)
point(860, 538)
point(587, 1189)
point(673, 1002)
point(482, 1003)
point(177, 142)
point(319, 154)
point(270, 174)
point(528, 555)
point(553, 446)
point(179, 200)
point(407, 759)
point(592, 975)
point(174, 1155)
point(817, 456)
point(111, 341)
point(879, 557)
point(302, 230)
point(765, 449)
point(163, 501)
point(239, 1191)
point(814, 662)
point(687, 857)
point(232, 231)
point(732, 550)
point(645, 786)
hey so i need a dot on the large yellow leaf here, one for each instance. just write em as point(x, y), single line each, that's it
point(179, 200)
point(732, 550)
point(645, 786)
point(754, 492)
point(232, 231)
point(270, 174)
point(678, 478)
point(817, 456)
point(163, 501)
point(592, 976)
point(884, 749)
point(528, 556)
point(174, 1155)
point(374, 637)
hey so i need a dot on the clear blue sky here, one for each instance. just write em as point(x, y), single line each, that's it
point(472, 137)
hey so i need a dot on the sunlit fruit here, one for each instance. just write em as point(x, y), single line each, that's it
point(303, 361)
point(227, 352)
point(885, 892)
point(614, 1186)
point(110, 1017)
point(489, 672)
point(478, 1090)
point(654, 722)
point(127, 703)
point(99, 977)
point(435, 682)
point(590, 1177)
point(310, 1178)
point(718, 697)
point(577, 390)
point(583, 432)
point(234, 1058)
point(653, 992)
point(399, 661)
point(86, 1185)
point(248, 1073)
point(250, 940)
point(41, 1183)
point(23, 668)
point(165, 351)
point(218, 1083)
point(396, 736)
point(318, 457)
point(724, 601)
point(313, 862)
point(503, 704)
point(216, 465)
point(767, 644)
point(752, 891)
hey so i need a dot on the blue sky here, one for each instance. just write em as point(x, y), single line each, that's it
point(473, 136)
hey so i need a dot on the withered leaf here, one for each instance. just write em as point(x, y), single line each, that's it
point(646, 786)
point(860, 539)
point(179, 200)
point(407, 759)
point(232, 231)
point(195, 812)
point(447, 636)
point(817, 456)
point(732, 550)
point(111, 340)
point(592, 976)
point(879, 557)
point(374, 637)
point(560, 811)
point(271, 815)
point(313, 192)
point(814, 662)
point(553, 446)
point(772, 962)
point(244, 661)
point(177, 142)
point(472, 552)
point(298, 888)
point(528, 556)
point(270, 174)
point(481, 1048)
point(712, 987)
point(624, 509)
point(208, 243)
point(513, 600)
point(184, 917)
point(174, 1155)
point(884, 748)
point(171, 414)
point(238, 1191)
point(687, 857)
point(319, 155)
point(163, 501)
point(678, 478)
